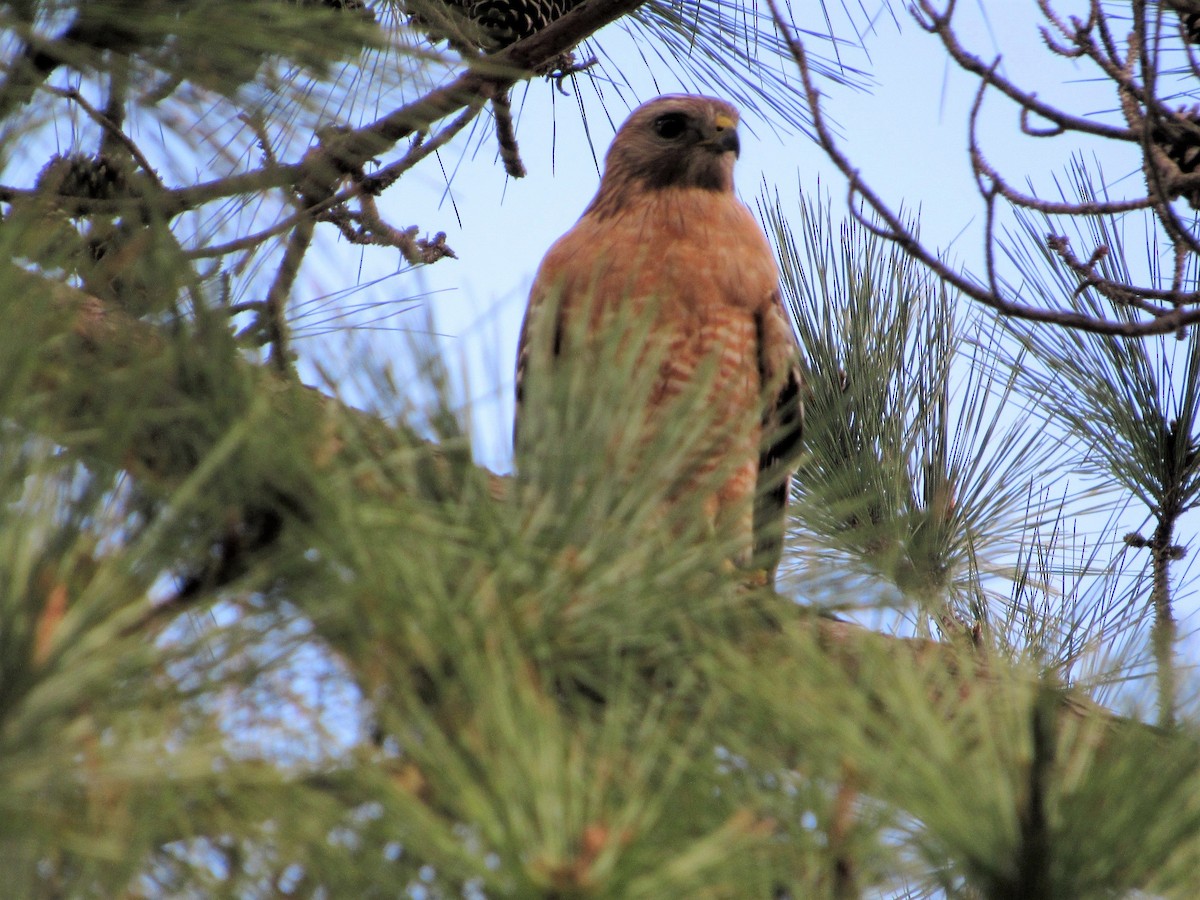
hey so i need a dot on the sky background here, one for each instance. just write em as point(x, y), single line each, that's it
point(906, 129)
point(904, 125)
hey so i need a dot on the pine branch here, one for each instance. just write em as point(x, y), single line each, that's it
point(324, 166)
point(319, 177)
point(476, 639)
point(106, 339)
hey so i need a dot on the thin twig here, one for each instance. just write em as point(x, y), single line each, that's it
point(1177, 308)
point(506, 135)
point(1163, 633)
point(364, 186)
point(387, 176)
point(111, 128)
point(273, 317)
point(322, 168)
point(939, 24)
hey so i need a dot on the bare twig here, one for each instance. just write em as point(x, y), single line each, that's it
point(112, 128)
point(506, 135)
point(273, 317)
point(387, 176)
point(319, 173)
point(368, 227)
point(363, 186)
point(1162, 309)
point(250, 241)
point(939, 24)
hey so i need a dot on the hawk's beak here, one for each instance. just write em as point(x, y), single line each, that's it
point(725, 138)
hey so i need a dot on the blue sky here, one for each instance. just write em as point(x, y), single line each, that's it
point(907, 132)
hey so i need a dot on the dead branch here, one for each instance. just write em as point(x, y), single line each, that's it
point(506, 135)
point(324, 185)
point(1169, 141)
point(320, 175)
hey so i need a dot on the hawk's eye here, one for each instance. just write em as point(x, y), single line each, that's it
point(670, 126)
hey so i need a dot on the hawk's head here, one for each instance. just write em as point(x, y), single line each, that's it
point(675, 141)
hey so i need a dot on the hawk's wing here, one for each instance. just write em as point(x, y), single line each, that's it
point(539, 304)
point(783, 426)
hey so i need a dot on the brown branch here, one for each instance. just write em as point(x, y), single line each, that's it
point(364, 187)
point(273, 319)
point(345, 153)
point(324, 166)
point(387, 176)
point(1176, 310)
point(111, 128)
point(318, 175)
point(981, 167)
point(506, 135)
point(1164, 631)
point(939, 25)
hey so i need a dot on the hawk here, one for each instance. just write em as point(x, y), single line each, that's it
point(666, 241)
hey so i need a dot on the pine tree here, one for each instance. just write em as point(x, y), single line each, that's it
point(257, 640)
